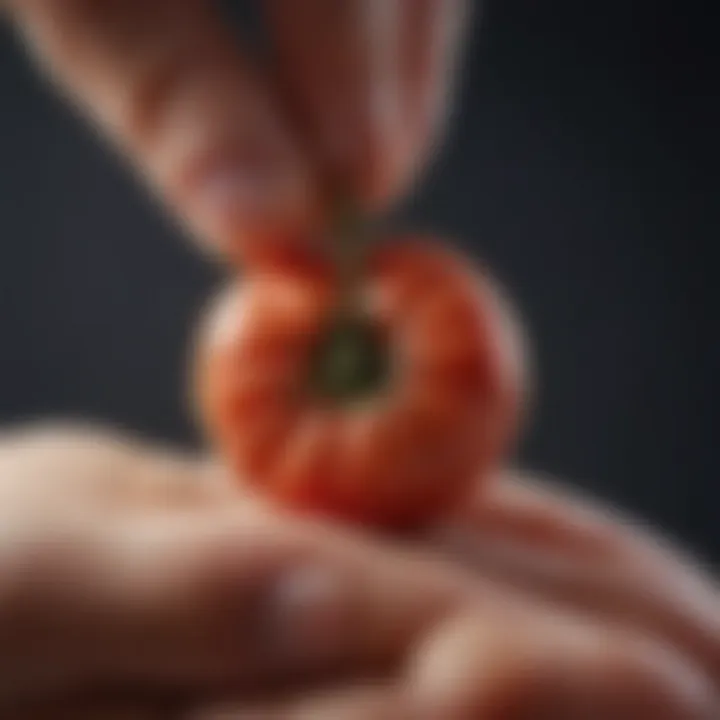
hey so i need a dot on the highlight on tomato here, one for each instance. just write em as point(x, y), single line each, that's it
point(373, 392)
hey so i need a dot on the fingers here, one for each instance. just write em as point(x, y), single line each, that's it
point(236, 596)
point(252, 595)
point(518, 510)
point(166, 79)
point(486, 665)
point(55, 469)
point(552, 668)
point(369, 81)
point(541, 539)
point(432, 36)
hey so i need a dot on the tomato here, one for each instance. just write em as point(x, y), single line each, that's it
point(383, 414)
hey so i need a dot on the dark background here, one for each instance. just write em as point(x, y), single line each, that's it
point(580, 166)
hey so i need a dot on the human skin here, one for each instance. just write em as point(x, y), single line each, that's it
point(139, 568)
point(135, 578)
point(201, 122)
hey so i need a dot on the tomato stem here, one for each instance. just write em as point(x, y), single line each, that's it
point(351, 361)
point(350, 240)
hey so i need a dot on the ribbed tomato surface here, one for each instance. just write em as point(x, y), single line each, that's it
point(401, 453)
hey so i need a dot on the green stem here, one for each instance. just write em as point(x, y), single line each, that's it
point(349, 244)
point(350, 361)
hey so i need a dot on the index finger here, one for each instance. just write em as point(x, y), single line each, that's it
point(166, 80)
point(221, 595)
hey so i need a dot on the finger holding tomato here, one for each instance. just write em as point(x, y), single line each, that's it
point(381, 412)
point(241, 149)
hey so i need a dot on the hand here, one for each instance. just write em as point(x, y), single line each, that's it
point(363, 85)
point(128, 568)
point(140, 574)
point(579, 615)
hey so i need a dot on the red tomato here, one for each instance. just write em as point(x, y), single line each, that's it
point(432, 403)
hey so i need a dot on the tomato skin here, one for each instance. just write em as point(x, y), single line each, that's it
point(401, 456)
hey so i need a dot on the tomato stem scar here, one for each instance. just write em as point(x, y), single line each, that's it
point(350, 361)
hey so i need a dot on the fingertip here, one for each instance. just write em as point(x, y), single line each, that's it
point(465, 669)
point(168, 84)
point(244, 209)
point(520, 667)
